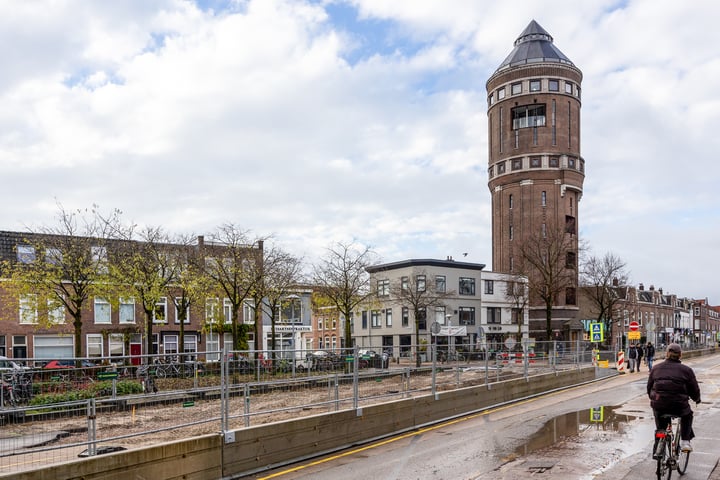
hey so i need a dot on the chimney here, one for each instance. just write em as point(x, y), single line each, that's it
point(652, 287)
point(616, 282)
point(201, 240)
point(641, 287)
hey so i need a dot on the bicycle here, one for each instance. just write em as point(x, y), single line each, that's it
point(668, 453)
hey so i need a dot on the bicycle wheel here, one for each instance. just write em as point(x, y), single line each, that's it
point(682, 457)
point(664, 461)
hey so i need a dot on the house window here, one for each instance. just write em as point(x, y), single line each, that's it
point(170, 343)
point(501, 93)
point(248, 312)
point(28, 309)
point(570, 224)
point(364, 320)
point(94, 345)
point(440, 283)
point(116, 345)
point(25, 253)
point(528, 116)
point(404, 284)
point(534, 85)
point(543, 198)
point(554, 85)
point(516, 88)
point(185, 316)
point(466, 315)
point(102, 310)
point(383, 288)
point(375, 319)
point(570, 296)
point(56, 312)
point(440, 315)
point(160, 311)
point(53, 256)
point(388, 317)
point(420, 283)
point(466, 286)
point(570, 260)
point(489, 287)
point(422, 319)
point(53, 346)
point(405, 317)
point(127, 310)
point(3, 349)
point(99, 258)
point(493, 315)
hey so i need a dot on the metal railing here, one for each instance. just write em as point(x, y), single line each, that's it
point(127, 402)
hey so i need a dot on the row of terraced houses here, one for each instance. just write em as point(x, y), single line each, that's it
point(475, 312)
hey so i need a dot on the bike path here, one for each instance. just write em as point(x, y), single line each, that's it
point(706, 454)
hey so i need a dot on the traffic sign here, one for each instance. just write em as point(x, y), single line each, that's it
point(597, 414)
point(597, 332)
point(633, 335)
point(634, 326)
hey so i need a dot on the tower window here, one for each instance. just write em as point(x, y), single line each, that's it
point(528, 116)
point(554, 85)
point(510, 201)
point(543, 198)
point(568, 87)
point(516, 88)
point(517, 163)
point(511, 232)
point(501, 168)
point(501, 93)
point(571, 162)
point(534, 85)
point(535, 162)
point(554, 162)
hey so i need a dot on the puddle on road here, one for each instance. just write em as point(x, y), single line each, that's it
point(581, 425)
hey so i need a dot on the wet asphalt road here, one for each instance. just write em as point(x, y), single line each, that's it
point(598, 431)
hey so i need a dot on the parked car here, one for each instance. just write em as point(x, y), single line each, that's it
point(67, 363)
point(9, 365)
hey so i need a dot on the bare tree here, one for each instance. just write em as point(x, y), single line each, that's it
point(516, 293)
point(233, 261)
point(64, 267)
point(418, 295)
point(549, 259)
point(602, 280)
point(281, 275)
point(342, 278)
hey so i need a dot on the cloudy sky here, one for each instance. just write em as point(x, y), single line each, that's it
point(323, 121)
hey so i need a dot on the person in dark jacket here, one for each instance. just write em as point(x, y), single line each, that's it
point(670, 387)
point(649, 355)
point(639, 349)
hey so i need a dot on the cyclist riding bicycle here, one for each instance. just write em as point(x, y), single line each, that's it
point(670, 385)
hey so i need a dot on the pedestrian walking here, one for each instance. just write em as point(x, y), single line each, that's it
point(639, 355)
point(632, 357)
point(649, 355)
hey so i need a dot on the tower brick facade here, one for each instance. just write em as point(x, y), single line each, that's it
point(535, 169)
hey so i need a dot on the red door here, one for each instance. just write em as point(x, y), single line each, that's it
point(135, 352)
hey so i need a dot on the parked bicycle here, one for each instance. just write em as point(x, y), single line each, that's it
point(668, 453)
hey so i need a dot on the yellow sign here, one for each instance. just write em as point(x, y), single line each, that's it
point(633, 335)
point(604, 363)
point(596, 414)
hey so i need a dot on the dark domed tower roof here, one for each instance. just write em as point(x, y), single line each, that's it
point(534, 45)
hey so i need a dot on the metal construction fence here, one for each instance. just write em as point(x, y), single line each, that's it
point(89, 407)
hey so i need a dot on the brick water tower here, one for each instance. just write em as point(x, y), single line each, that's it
point(536, 171)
